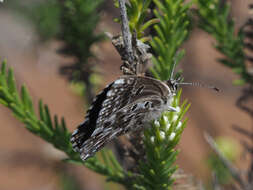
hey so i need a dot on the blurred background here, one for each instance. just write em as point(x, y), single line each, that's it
point(35, 43)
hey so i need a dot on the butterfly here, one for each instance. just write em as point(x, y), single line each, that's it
point(125, 105)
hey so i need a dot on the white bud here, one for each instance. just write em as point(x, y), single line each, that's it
point(152, 139)
point(162, 135)
point(172, 136)
point(175, 117)
point(165, 118)
point(167, 127)
point(179, 125)
point(1, 1)
point(157, 123)
point(178, 109)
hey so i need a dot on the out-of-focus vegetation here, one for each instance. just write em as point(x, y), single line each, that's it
point(78, 23)
point(44, 16)
point(214, 18)
point(231, 151)
point(74, 23)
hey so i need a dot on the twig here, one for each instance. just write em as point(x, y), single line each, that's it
point(215, 181)
point(233, 171)
point(127, 39)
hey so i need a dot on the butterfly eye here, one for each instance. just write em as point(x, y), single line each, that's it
point(175, 87)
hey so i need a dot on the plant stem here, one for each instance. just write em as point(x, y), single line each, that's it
point(126, 31)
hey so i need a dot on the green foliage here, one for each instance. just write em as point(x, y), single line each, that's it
point(155, 171)
point(44, 16)
point(214, 18)
point(137, 11)
point(79, 19)
point(160, 142)
point(74, 22)
point(221, 171)
point(172, 30)
point(51, 129)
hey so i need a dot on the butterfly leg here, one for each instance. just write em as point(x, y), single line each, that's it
point(127, 68)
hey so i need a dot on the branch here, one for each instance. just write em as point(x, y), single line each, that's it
point(233, 171)
point(126, 31)
point(215, 181)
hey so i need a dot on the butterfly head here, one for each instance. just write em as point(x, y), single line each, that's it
point(173, 84)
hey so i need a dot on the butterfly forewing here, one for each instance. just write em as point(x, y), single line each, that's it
point(84, 130)
point(125, 105)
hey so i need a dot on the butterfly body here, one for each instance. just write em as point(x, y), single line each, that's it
point(126, 105)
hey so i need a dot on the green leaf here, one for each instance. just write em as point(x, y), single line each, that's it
point(11, 82)
point(3, 68)
point(27, 101)
point(48, 120)
point(148, 24)
point(18, 112)
point(172, 31)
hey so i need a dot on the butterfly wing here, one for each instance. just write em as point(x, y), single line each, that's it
point(125, 105)
point(84, 130)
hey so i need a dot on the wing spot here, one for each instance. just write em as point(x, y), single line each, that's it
point(119, 81)
point(110, 93)
point(134, 107)
point(146, 105)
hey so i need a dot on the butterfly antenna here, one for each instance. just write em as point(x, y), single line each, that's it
point(172, 71)
point(200, 85)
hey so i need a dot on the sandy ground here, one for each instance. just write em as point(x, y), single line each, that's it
point(27, 162)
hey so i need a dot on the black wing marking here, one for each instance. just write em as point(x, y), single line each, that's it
point(85, 130)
